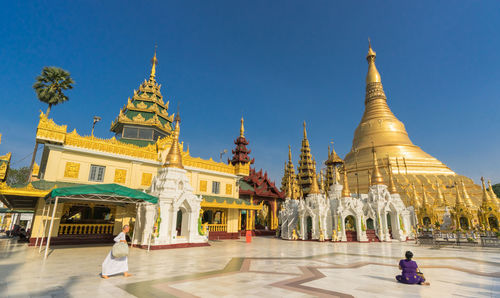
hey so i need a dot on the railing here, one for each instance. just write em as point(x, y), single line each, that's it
point(81, 229)
point(217, 227)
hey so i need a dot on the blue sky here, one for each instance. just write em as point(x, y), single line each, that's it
point(277, 63)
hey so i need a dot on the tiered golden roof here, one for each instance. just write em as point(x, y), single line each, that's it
point(381, 129)
point(489, 213)
point(332, 164)
point(306, 165)
point(146, 108)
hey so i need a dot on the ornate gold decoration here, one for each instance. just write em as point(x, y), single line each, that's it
point(392, 185)
point(47, 130)
point(229, 189)
point(120, 175)
point(174, 157)
point(4, 165)
point(146, 179)
point(203, 186)
point(345, 185)
point(71, 170)
point(377, 176)
point(242, 128)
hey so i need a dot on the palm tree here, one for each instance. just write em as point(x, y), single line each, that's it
point(51, 84)
point(49, 87)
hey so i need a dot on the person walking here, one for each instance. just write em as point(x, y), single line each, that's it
point(112, 265)
point(410, 272)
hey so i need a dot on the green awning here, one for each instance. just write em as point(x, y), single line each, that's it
point(102, 192)
point(7, 210)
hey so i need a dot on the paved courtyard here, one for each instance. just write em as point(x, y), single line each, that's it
point(267, 267)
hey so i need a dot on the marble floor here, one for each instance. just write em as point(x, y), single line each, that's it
point(267, 267)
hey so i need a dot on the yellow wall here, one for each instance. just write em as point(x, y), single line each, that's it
point(62, 164)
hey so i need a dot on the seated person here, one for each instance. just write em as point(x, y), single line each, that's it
point(410, 269)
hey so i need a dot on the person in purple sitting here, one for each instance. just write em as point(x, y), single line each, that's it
point(411, 273)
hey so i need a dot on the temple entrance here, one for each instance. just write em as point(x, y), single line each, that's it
point(178, 226)
point(350, 228)
point(389, 224)
point(493, 222)
point(309, 225)
point(464, 223)
point(243, 224)
point(426, 221)
point(263, 218)
point(370, 231)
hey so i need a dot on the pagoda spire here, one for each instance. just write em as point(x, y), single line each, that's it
point(241, 152)
point(332, 163)
point(377, 178)
point(314, 186)
point(345, 185)
point(486, 195)
point(439, 201)
point(458, 201)
point(154, 62)
point(242, 128)
point(306, 166)
point(490, 189)
point(289, 179)
point(467, 198)
point(416, 201)
point(174, 156)
point(392, 185)
point(425, 201)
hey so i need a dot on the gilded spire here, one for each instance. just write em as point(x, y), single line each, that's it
point(467, 198)
point(306, 165)
point(332, 163)
point(416, 201)
point(490, 189)
point(314, 186)
point(174, 156)
point(486, 196)
point(345, 185)
point(242, 128)
point(425, 202)
point(289, 180)
point(458, 201)
point(373, 75)
point(154, 62)
point(289, 154)
point(440, 201)
point(392, 185)
point(377, 176)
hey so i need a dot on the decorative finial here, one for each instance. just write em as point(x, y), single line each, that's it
point(373, 75)
point(174, 156)
point(392, 185)
point(305, 132)
point(377, 176)
point(154, 62)
point(242, 128)
point(289, 153)
point(345, 184)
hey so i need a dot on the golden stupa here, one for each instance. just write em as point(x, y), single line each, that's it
point(379, 129)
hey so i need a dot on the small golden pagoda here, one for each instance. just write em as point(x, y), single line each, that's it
point(462, 214)
point(306, 165)
point(332, 167)
point(489, 212)
point(289, 181)
point(379, 128)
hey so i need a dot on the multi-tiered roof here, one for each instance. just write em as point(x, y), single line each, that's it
point(240, 153)
point(306, 165)
point(145, 109)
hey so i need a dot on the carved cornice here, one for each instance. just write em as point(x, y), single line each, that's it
point(47, 130)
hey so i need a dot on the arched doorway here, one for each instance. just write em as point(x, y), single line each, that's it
point(350, 228)
point(178, 225)
point(426, 221)
point(370, 224)
point(493, 222)
point(309, 226)
point(263, 218)
point(464, 223)
point(389, 224)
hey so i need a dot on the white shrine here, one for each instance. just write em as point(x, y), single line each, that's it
point(175, 220)
point(338, 215)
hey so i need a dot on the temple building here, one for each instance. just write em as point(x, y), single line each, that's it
point(257, 189)
point(409, 165)
point(132, 158)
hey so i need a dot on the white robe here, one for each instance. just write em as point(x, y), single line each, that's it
point(112, 265)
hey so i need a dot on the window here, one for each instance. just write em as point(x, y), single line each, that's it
point(130, 132)
point(145, 134)
point(215, 187)
point(97, 173)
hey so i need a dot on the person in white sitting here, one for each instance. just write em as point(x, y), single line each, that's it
point(112, 265)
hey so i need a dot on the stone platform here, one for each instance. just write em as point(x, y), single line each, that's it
point(266, 267)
